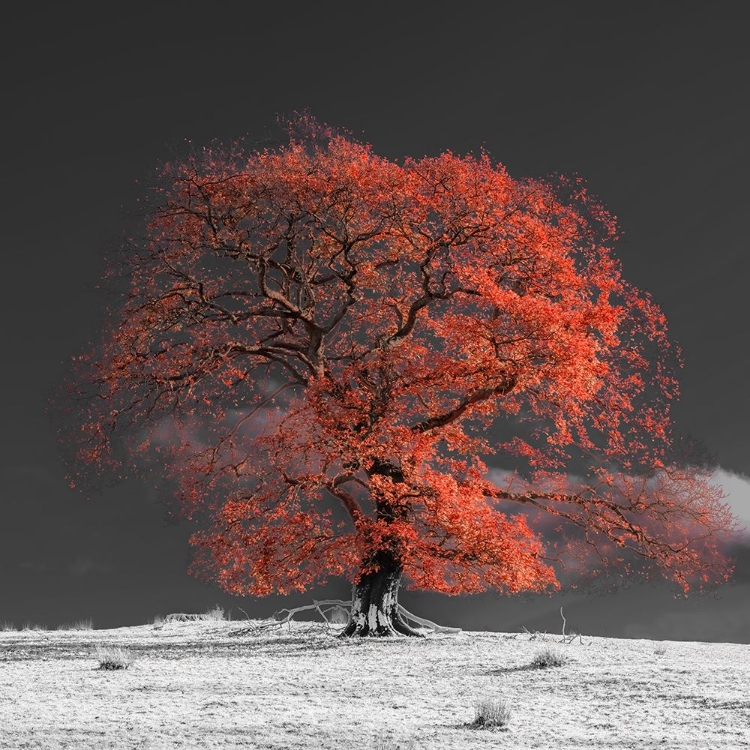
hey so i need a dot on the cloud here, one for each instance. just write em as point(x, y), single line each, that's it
point(84, 565)
point(737, 490)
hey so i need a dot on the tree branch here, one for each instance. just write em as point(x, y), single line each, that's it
point(473, 398)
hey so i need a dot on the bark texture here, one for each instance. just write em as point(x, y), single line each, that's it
point(375, 609)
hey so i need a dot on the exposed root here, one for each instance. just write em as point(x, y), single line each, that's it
point(401, 624)
point(427, 623)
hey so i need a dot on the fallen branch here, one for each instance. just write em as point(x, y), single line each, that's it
point(279, 618)
point(188, 617)
point(535, 635)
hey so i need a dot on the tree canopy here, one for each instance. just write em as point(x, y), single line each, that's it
point(342, 359)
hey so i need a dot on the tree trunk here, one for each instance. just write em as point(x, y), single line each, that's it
point(375, 602)
point(375, 609)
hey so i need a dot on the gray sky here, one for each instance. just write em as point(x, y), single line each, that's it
point(648, 102)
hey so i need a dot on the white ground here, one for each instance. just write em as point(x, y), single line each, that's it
point(196, 685)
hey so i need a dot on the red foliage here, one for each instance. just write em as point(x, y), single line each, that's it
point(320, 341)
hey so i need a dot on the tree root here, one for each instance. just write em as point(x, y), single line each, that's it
point(434, 627)
point(325, 608)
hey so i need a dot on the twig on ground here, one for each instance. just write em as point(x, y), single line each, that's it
point(570, 637)
point(247, 616)
point(535, 635)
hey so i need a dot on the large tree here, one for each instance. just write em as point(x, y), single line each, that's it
point(326, 347)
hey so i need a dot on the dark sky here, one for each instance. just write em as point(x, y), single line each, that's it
point(647, 101)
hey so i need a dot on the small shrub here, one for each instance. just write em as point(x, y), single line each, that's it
point(113, 657)
point(217, 614)
point(490, 713)
point(158, 621)
point(548, 658)
point(660, 650)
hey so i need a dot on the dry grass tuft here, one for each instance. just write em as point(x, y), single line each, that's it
point(7, 627)
point(113, 657)
point(548, 658)
point(491, 713)
point(338, 616)
point(80, 625)
point(217, 614)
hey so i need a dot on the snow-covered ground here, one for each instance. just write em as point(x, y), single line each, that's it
point(201, 685)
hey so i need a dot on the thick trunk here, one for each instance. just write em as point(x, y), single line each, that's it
point(375, 609)
point(375, 603)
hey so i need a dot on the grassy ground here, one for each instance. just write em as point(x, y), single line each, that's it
point(203, 685)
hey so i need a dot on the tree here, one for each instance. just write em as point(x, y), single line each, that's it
point(325, 347)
